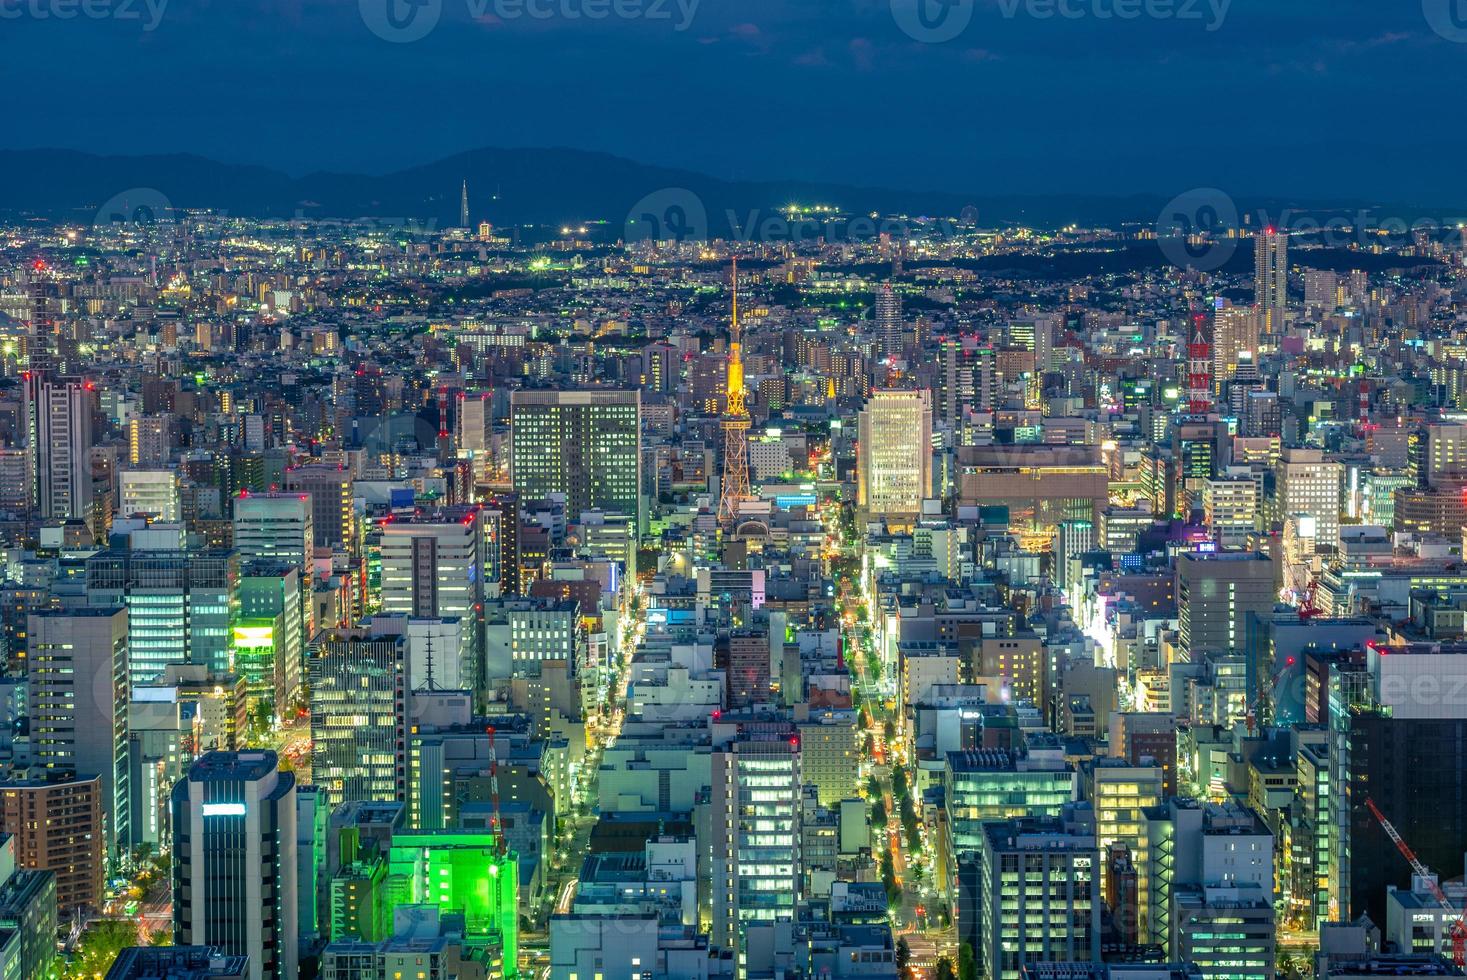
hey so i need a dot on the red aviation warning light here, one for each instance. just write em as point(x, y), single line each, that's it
point(1199, 367)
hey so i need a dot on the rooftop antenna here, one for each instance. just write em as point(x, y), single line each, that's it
point(428, 683)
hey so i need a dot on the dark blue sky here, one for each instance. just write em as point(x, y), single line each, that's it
point(1310, 98)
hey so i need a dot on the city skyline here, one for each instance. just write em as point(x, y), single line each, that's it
point(929, 490)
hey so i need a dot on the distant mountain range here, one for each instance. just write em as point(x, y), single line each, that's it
point(531, 187)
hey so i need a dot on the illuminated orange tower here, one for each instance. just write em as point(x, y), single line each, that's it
point(735, 423)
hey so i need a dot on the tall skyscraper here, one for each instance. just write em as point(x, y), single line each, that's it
point(584, 444)
point(234, 861)
point(78, 704)
point(1215, 593)
point(277, 526)
point(895, 453)
point(889, 320)
point(433, 564)
point(1040, 893)
point(333, 518)
point(735, 486)
point(1310, 485)
point(357, 690)
point(756, 834)
point(1271, 277)
point(1234, 332)
point(63, 448)
point(181, 606)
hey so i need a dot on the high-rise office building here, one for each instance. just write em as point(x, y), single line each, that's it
point(474, 420)
point(1215, 593)
point(234, 861)
point(1120, 793)
point(755, 815)
point(1271, 277)
point(63, 446)
point(586, 445)
point(78, 704)
point(1039, 887)
point(433, 564)
point(270, 636)
point(522, 634)
point(333, 517)
point(357, 695)
point(277, 526)
point(28, 919)
point(1234, 335)
point(1211, 885)
point(969, 378)
point(889, 320)
point(1308, 484)
point(1230, 508)
point(895, 454)
point(501, 516)
point(150, 492)
point(181, 606)
point(980, 785)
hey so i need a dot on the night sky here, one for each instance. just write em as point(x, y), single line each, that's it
point(1358, 98)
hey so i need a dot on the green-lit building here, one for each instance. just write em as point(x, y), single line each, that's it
point(268, 639)
point(462, 872)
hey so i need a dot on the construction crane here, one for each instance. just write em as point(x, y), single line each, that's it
point(495, 823)
point(1459, 927)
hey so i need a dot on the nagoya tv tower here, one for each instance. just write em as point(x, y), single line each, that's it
point(735, 423)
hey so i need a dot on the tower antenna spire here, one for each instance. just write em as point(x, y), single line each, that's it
point(736, 422)
point(735, 329)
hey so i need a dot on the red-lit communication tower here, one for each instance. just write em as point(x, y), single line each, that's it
point(1199, 366)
